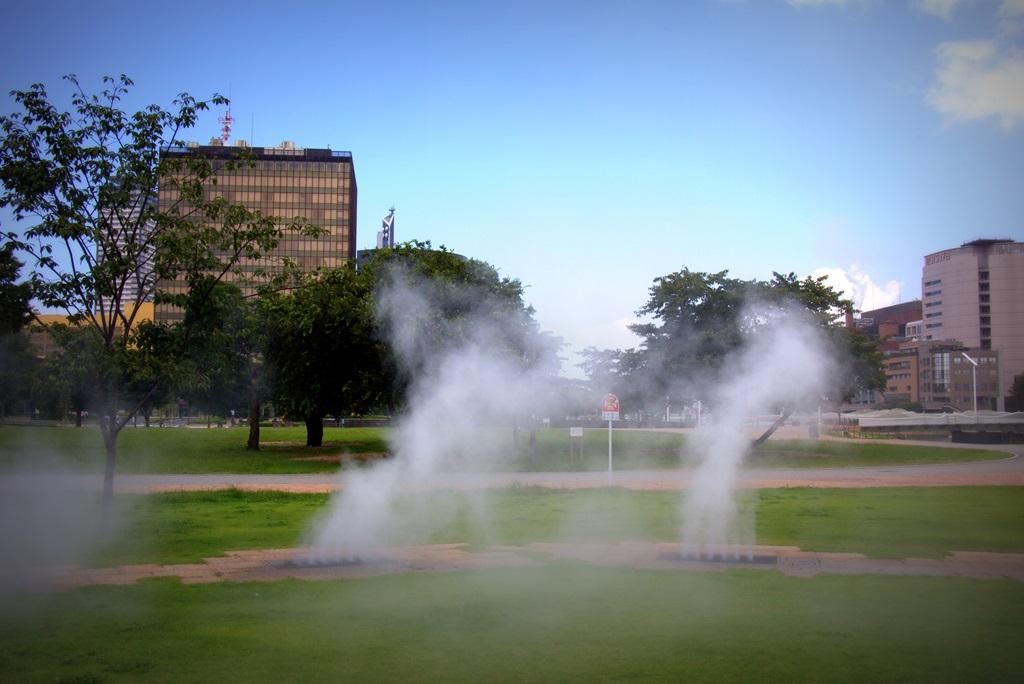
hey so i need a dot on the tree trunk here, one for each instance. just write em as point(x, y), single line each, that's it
point(145, 417)
point(78, 418)
point(108, 429)
point(786, 413)
point(315, 431)
point(254, 423)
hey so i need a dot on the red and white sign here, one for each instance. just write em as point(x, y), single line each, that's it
point(610, 407)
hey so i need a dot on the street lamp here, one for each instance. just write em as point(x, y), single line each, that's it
point(974, 379)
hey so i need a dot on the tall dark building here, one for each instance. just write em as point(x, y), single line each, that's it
point(285, 181)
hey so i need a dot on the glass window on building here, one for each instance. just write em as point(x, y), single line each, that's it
point(940, 372)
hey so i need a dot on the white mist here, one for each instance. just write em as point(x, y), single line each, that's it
point(785, 363)
point(455, 392)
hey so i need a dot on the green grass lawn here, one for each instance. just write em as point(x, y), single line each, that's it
point(798, 453)
point(563, 623)
point(560, 622)
point(886, 522)
point(188, 450)
point(184, 527)
point(180, 450)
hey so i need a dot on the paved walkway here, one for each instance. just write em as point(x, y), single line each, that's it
point(1006, 468)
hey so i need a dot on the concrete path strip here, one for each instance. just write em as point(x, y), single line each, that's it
point(1008, 470)
point(280, 564)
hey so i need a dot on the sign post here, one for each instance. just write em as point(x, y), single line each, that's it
point(575, 436)
point(610, 412)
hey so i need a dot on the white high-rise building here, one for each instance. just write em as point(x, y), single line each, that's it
point(134, 242)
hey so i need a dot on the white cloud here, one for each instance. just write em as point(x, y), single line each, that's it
point(1011, 8)
point(857, 285)
point(938, 8)
point(621, 328)
point(977, 80)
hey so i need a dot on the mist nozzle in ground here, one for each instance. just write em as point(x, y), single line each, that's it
point(727, 557)
point(338, 562)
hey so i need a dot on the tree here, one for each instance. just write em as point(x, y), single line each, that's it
point(88, 181)
point(696, 321)
point(15, 297)
point(225, 335)
point(365, 334)
point(430, 300)
point(16, 358)
point(859, 356)
point(699, 320)
point(148, 376)
point(321, 348)
point(66, 380)
point(1015, 400)
point(861, 360)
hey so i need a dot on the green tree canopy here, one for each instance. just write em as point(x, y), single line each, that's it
point(697, 321)
point(1015, 399)
point(85, 182)
point(432, 301)
point(66, 380)
point(16, 360)
point(348, 340)
point(321, 348)
point(15, 297)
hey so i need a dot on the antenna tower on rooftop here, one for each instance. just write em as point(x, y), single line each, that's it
point(225, 123)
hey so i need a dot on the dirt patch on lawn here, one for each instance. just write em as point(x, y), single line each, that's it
point(655, 483)
point(361, 457)
point(893, 480)
point(300, 488)
point(365, 456)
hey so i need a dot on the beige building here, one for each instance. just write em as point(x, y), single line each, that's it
point(947, 377)
point(937, 375)
point(974, 294)
point(901, 376)
point(42, 341)
point(285, 181)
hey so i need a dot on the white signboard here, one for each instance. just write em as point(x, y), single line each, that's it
point(575, 432)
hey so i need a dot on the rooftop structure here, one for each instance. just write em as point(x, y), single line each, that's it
point(889, 321)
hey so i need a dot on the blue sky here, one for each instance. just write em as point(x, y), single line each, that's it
point(589, 147)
